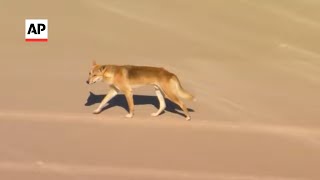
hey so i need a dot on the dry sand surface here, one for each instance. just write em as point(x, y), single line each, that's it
point(253, 65)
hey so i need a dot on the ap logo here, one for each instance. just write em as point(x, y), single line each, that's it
point(36, 30)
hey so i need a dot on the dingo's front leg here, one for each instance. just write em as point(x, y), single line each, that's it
point(129, 97)
point(112, 92)
point(162, 103)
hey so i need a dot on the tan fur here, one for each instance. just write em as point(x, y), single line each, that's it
point(124, 78)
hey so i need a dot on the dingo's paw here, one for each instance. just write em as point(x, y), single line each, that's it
point(129, 115)
point(155, 114)
point(188, 118)
point(97, 111)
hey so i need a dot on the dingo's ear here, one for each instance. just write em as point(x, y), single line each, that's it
point(102, 68)
point(94, 62)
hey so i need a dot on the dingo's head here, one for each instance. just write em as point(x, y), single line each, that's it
point(96, 73)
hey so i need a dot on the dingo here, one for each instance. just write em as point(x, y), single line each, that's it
point(124, 78)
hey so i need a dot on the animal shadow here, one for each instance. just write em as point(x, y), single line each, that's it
point(121, 101)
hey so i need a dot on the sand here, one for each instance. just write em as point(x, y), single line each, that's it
point(254, 67)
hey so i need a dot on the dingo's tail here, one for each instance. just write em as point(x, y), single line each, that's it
point(179, 90)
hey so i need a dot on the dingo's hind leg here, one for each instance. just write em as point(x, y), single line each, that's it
point(162, 103)
point(174, 98)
